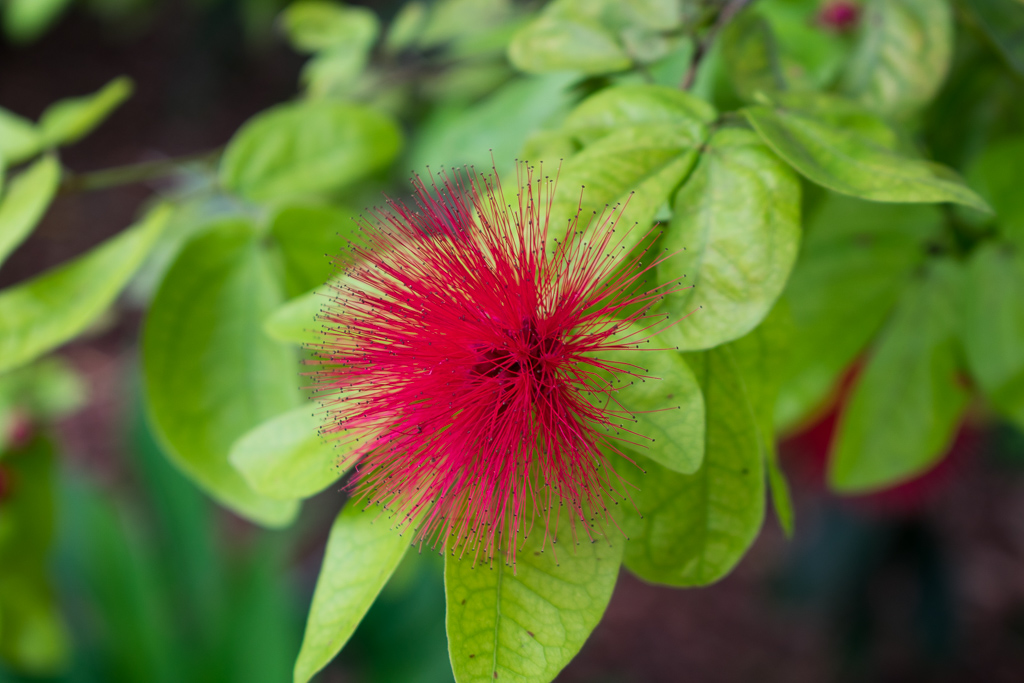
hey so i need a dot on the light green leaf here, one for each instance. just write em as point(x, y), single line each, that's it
point(844, 161)
point(761, 357)
point(210, 373)
point(642, 164)
point(632, 105)
point(751, 56)
point(524, 624)
point(310, 239)
point(738, 219)
point(696, 527)
point(27, 20)
point(667, 404)
point(363, 551)
point(905, 406)
point(46, 311)
point(314, 25)
point(287, 458)
point(1003, 22)
point(25, 202)
point(307, 148)
point(996, 174)
point(70, 120)
point(903, 55)
point(993, 326)
point(19, 138)
point(563, 43)
point(856, 259)
point(296, 321)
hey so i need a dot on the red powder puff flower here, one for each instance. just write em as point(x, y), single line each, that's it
point(465, 359)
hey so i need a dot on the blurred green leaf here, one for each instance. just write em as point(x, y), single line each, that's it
point(566, 43)
point(307, 148)
point(314, 25)
point(993, 325)
point(287, 458)
point(666, 403)
point(525, 622)
point(843, 161)
point(310, 239)
point(751, 56)
point(809, 58)
point(996, 173)
point(405, 27)
point(211, 375)
point(635, 105)
point(761, 357)
point(25, 202)
point(903, 55)
point(905, 406)
point(48, 389)
point(1003, 22)
point(19, 138)
point(70, 120)
point(738, 219)
point(695, 528)
point(363, 551)
point(32, 637)
point(27, 20)
point(296, 321)
point(50, 309)
point(856, 259)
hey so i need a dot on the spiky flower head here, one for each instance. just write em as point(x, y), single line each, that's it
point(464, 355)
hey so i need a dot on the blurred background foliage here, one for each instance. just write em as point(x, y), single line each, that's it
point(144, 369)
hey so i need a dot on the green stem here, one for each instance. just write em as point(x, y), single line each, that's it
point(132, 173)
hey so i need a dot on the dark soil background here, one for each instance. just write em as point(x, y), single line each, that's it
point(925, 583)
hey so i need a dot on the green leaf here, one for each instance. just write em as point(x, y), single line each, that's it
point(314, 25)
point(210, 373)
point(667, 404)
point(905, 406)
point(363, 551)
point(25, 202)
point(310, 239)
point(738, 219)
point(1003, 22)
point(632, 105)
point(696, 527)
point(46, 311)
point(844, 161)
point(19, 138)
point(903, 55)
point(642, 164)
point(761, 357)
point(996, 173)
point(287, 458)
point(70, 120)
point(809, 58)
point(296, 321)
point(993, 325)
point(523, 624)
point(307, 148)
point(751, 56)
point(856, 259)
point(27, 20)
point(566, 43)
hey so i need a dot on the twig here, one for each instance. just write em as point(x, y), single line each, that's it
point(132, 173)
point(731, 9)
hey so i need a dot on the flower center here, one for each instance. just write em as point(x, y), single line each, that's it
point(523, 352)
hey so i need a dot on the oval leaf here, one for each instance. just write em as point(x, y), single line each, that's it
point(564, 43)
point(310, 238)
point(629, 105)
point(25, 202)
point(524, 625)
point(19, 138)
point(738, 219)
point(906, 404)
point(210, 373)
point(296, 322)
point(696, 527)
point(286, 457)
point(70, 120)
point(43, 313)
point(362, 553)
point(307, 148)
point(314, 25)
